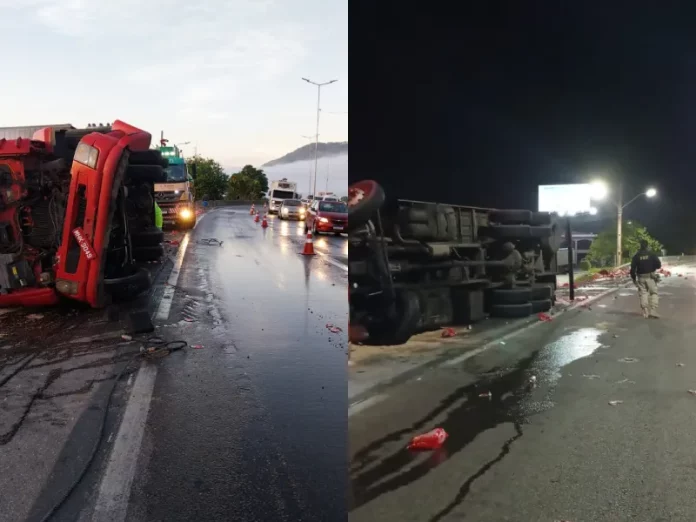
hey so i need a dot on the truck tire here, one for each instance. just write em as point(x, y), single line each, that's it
point(508, 232)
point(148, 157)
point(542, 291)
point(148, 237)
point(402, 328)
point(540, 219)
point(149, 173)
point(364, 199)
point(130, 286)
point(511, 311)
point(148, 253)
point(540, 306)
point(510, 217)
point(511, 296)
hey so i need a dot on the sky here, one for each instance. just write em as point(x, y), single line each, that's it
point(224, 75)
point(479, 105)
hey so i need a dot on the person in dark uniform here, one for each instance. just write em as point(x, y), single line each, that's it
point(643, 272)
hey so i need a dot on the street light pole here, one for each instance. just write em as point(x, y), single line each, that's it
point(309, 187)
point(620, 207)
point(316, 143)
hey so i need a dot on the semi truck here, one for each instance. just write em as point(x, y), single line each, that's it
point(417, 266)
point(279, 191)
point(77, 214)
point(175, 196)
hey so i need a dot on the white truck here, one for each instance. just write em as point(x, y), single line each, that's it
point(279, 191)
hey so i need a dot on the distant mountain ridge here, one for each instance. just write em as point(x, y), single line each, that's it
point(306, 152)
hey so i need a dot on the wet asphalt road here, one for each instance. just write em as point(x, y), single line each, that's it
point(251, 423)
point(558, 451)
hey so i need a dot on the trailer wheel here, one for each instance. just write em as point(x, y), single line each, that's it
point(511, 296)
point(148, 237)
point(130, 286)
point(511, 311)
point(542, 291)
point(148, 157)
point(148, 253)
point(364, 199)
point(402, 328)
point(149, 173)
point(511, 217)
point(542, 305)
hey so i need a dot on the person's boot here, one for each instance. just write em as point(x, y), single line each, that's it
point(645, 313)
point(654, 315)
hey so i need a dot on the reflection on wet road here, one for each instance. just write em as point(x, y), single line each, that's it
point(252, 422)
point(547, 444)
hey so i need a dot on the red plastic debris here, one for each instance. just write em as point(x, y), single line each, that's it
point(188, 319)
point(432, 440)
point(545, 317)
point(333, 329)
point(197, 346)
point(448, 332)
point(486, 395)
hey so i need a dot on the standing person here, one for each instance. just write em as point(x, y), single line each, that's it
point(643, 267)
point(159, 219)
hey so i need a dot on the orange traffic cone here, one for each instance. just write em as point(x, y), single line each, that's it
point(252, 210)
point(309, 246)
point(264, 223)
point(256, 219)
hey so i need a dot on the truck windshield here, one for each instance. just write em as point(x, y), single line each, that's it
point(176, 173)
point(282, 194)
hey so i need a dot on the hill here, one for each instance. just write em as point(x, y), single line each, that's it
point(306, 153)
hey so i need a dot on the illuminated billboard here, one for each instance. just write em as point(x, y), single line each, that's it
point(566, 200)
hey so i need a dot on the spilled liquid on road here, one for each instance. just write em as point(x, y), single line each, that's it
point(466, 417)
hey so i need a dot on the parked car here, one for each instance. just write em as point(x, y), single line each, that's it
point(292, 209)
point(327, 217)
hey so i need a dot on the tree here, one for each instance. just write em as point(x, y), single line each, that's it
point(210, 181)
point(603, 248)
point(257, 174)
point(243, 186)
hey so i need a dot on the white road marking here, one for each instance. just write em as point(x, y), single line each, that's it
point(165, 304)
point(333, 262)
point(363, 405)
point(114, 491)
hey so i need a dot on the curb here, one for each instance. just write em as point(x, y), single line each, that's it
point(494, 338)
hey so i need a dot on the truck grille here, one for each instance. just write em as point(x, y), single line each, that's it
point(168, 196)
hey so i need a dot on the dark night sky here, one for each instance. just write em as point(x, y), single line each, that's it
point(479, 104)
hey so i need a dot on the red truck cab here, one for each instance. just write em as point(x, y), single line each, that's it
point(76, 209)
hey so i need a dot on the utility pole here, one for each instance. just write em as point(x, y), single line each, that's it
point(316, 143)
point(309, 186)
point(619, 219)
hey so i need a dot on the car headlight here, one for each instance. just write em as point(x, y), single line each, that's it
point(285, 210)
point(302, 210)
point(323, 220)
point(185, 213)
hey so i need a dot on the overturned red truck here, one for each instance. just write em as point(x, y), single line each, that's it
point(77, 215)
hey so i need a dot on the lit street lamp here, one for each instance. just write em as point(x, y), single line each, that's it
point(600, 191)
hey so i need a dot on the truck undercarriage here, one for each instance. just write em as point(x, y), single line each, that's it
point(76, 214)
point(416, 265)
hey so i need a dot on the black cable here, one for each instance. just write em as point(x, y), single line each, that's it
point(160, 346)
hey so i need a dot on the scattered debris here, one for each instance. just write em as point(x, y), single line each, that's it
point(35, 317)
point(428, 441)
point(692, 392)
point(591, 376)
point(502, 342)
point(126, 337)
point(545, 317)
point(210, 241)
point(448, 332)
point(616, 336)
point(680, 365)
point(615, 403)
point(625, 381)
point(486, 395)
point(628, 360)
point(197, 346)
point(333, 329)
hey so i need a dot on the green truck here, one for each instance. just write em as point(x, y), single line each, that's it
point(175, 197)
